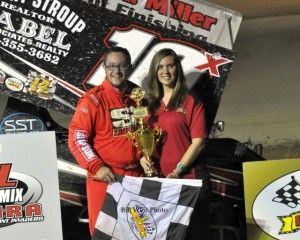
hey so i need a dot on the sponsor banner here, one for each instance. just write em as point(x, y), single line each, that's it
point(21, 122)
point(29, 199)
point(272, 199)
point(51, 53)
point(197, 19)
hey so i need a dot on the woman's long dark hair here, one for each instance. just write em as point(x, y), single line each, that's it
point(155, 87)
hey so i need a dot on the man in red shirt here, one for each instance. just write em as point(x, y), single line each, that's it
point(97, 133)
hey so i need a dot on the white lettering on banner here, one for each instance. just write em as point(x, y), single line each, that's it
point(124, 39)
point(23, 42)
point(27, 219)
point(21, 1)
point(51, 49)
point(27, 12)
point(42, 17)
point(31, 29)
point(14, 36)
point(35, 38)
point(62, 13)
point(19, 125)
point(194, 60)
point(11, 195)
point(31, 51)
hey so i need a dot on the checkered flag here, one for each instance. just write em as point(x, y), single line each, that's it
point(289, 194)
point(146, 208)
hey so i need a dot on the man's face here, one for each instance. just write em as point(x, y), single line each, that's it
point(117, 69)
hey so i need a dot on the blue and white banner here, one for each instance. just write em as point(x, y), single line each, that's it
point(147, 208)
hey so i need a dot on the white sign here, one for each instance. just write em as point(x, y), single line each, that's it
point(272, 199)
point(29, 190)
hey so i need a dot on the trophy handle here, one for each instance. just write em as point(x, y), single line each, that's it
point(157, 132)
point(132, 138)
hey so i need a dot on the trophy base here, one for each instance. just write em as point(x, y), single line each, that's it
point(151, 173)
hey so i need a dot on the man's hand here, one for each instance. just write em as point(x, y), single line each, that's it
point(105, 174)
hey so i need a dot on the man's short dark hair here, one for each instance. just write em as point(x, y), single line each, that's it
point(117, 49)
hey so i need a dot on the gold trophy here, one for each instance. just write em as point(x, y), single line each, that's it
point(144, 139)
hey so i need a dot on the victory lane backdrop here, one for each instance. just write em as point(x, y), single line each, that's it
point(51, 52)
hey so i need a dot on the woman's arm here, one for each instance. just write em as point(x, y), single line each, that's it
point(189, 156)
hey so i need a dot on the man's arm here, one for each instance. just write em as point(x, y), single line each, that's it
point(81, 130)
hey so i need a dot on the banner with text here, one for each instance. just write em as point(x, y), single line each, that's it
point(272, 199)
point(51, 53)
point(29, 199)
point(194, 18)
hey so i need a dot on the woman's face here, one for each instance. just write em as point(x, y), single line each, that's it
point(167, 71)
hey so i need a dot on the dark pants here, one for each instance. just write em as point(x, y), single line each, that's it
point(198, 228)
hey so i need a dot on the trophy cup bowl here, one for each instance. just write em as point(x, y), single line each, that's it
point(145, 140)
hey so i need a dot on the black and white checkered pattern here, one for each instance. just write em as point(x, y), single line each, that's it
point(144, 208)
point(289, 194)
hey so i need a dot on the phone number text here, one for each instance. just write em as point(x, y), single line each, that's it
point(31, 51)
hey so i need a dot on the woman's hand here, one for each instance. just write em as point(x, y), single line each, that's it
point(145, 164)
point(173, 174)
point(105, 174)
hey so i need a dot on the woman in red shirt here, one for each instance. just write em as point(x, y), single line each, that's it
point(181, 117)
